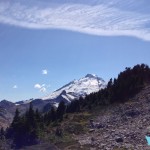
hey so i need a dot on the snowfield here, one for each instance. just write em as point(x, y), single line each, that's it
point(84, 86)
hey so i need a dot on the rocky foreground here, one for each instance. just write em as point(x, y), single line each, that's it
point(120, 127)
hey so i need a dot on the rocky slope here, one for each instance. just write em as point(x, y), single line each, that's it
point(122, 126)
point(7, 110)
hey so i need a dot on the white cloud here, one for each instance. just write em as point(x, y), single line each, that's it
point(37, 86)
point(41, 87)
point(15, 87)
point(45, 72)
point(98, 17)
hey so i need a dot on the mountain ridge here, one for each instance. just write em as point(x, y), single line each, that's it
point(78, 88)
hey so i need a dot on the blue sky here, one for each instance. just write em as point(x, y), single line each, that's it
point(44, 45)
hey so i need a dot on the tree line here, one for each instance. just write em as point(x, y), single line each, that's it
point(125, 86)
point(26, 128)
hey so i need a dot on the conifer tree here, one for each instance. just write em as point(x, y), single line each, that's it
point(61, 110)
point(16, 118)
point(2, 134)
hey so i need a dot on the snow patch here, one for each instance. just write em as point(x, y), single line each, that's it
point(89, 84)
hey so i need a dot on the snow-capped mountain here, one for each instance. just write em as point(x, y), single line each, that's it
point(73, 90)
point(77, 88)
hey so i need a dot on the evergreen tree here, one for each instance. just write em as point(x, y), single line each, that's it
point(2, 134)
point(31, 125)
point(37, 116)
point(24, 129)
point(16, 119)
point(74, 106)
point(61, 110)
point(52, 115)
point(17, 130)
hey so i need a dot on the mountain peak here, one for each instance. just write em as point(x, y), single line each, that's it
point(78, 88)
point(91, 76)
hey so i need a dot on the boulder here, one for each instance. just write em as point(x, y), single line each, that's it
point(119, 139)
point(132, 113)
point(91, 130)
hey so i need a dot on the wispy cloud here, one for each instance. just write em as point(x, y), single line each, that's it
point(98, 17)
point(41, 87)
point(43, 90)
point(45, 72)
point(15, 87)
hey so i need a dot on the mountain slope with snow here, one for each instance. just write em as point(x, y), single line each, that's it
point(77, 88)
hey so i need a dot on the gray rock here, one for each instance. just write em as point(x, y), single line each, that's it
point(132, 113)
point(119, 139)
point(91, 130)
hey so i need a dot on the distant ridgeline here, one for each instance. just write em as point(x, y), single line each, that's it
point(128, 83)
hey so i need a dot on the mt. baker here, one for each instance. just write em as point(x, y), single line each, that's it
point(89, 84)
point(73, 90)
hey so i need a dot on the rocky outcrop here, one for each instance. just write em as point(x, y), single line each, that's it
point(7, 110)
